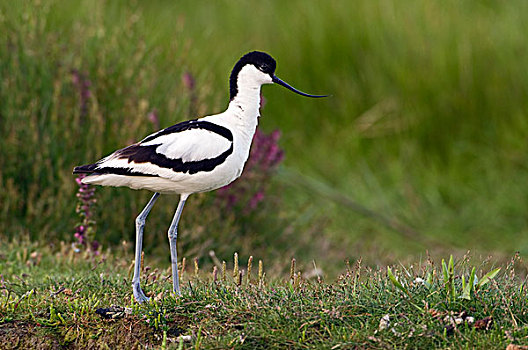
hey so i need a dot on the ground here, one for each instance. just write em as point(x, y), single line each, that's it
point(58, 298)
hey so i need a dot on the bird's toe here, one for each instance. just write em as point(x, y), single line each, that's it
point(138, 294)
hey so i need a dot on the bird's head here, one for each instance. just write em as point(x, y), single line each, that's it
point(255, 69)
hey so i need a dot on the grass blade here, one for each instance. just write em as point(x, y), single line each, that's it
point(487, 277)
point(467, 288)
point(395, 282)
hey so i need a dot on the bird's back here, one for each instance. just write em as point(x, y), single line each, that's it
point(192, 156)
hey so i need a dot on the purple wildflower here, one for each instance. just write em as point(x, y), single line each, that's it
point(95, 246)
point(86, 228)
point(153, 118)
point(189, 83)
point(249, 191)
point(256, 199)
point(83, 84)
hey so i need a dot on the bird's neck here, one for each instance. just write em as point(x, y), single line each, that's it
point(244, 107)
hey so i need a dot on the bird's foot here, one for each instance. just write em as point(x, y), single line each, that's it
point(138, 293)
point(176, 289)
point(175, 293)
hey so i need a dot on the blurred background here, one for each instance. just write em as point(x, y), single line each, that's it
point(421, 148)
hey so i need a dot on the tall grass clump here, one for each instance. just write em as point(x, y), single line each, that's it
point(75, 89)
point(72, 90)
point(426, 126)
point(427, 118)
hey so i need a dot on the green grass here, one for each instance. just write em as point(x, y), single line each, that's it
point(422, 145)
point(49, 297)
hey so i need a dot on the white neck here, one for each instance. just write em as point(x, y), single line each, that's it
point(246, 103)
point(243, 109)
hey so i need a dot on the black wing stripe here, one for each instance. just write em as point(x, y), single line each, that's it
point(121, 171)
point(193, 124)
point(92, 169)
point(138, 153)
point(147, 154)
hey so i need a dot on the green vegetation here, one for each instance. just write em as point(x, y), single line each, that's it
point(426, 126)
point(54, 297)
point(421, 147)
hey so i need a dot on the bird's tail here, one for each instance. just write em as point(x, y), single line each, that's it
point(84, 169)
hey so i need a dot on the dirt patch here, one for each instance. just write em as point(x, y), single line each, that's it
point(23, 335)
point(121, 334)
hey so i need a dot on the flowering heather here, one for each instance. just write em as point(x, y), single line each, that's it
point(154, 119)
point(84, 231)
point(189, 83)
point(250, 189)
point(83, 84)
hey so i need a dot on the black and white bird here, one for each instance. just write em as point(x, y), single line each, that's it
point(193, 156)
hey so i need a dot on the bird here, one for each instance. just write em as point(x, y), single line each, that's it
point(193, 156)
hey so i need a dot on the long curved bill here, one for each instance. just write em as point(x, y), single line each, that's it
point(289, 87)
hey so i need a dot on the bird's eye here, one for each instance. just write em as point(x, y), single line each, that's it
point(264, 67)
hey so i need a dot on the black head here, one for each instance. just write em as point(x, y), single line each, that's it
point(266, 64)
point(261, 60)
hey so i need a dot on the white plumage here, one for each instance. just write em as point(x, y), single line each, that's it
point(187, 146)
point(194, 156)
point(193, 145)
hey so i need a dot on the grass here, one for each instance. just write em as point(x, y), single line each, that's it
point(54, 297)
point(426, 127)
point(422, 147)
point(428, 106)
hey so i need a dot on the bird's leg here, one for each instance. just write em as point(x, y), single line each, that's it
point(173, 235)
point(140, 224)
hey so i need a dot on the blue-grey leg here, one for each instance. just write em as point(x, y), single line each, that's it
point(140, 224)
point(173, 236)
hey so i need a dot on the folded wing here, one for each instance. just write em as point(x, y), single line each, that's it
point(186, 148)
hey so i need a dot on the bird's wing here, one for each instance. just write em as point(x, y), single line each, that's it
point(185, 148)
